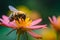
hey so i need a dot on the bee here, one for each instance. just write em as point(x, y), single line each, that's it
point(15, 15)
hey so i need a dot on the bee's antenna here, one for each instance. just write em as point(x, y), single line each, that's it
point(13, 9)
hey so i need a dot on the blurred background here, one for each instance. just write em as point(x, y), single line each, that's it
point(44, 8)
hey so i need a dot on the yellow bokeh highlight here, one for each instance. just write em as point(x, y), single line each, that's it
point(49, 34)
point(35, 15)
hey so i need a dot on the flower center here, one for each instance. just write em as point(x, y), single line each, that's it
point(23, 23)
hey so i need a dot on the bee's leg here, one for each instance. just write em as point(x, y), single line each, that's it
point(24, 17)
point(17, 18)
point(11, 17)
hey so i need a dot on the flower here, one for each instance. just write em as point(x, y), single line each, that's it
point(22, 26)
point(55, 22)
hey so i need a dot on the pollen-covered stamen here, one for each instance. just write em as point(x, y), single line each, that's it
point(23, 23)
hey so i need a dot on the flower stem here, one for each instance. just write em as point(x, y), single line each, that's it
point(25, 36)
point(18, 36)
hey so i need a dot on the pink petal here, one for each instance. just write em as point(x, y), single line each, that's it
point(54, 19)
point(50, 20)
point(7, 24)
point(13, 24)
point(37, 27)
point(34, 34)
point(3, 22)
point(5, 18)
point(36, 22)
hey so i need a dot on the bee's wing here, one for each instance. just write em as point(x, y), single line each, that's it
point(12, 8)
